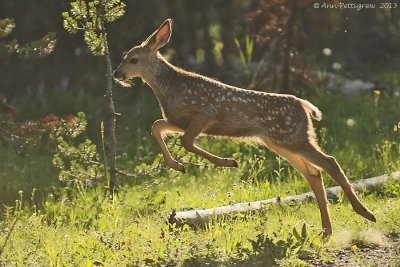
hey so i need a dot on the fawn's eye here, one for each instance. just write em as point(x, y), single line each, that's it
point(134, 60)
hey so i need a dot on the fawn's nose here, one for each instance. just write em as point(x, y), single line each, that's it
point(119, 75)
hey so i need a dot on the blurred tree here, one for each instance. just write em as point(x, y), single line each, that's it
point(30, 50)
point(92, 17)
point(277, 27)
point(369, 45)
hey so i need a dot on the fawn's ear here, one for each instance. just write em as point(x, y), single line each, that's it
point(160, 37)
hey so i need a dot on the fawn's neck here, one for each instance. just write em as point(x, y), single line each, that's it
point(160, 77)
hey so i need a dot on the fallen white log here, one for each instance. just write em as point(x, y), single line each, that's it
point(202, 216)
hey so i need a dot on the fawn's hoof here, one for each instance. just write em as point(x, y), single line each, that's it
point(229, 163)
point(327, 233)
point(372, 218)
point(369, 215)
point(366, 213)
point(177, 166)
point(183, 170)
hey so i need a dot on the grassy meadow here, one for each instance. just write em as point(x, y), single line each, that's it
point(48, 222)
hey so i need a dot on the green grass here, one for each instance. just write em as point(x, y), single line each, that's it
point(58, 226)
point(132, 230)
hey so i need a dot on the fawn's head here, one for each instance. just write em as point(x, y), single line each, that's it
point(141, 58)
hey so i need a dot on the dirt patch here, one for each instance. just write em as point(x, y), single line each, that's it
point(362, 254)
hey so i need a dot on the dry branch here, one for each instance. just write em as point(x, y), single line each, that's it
point(202, 216)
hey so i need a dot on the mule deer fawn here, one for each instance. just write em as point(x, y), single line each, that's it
point(193, 104)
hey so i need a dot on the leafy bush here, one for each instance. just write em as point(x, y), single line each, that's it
point(78, 163)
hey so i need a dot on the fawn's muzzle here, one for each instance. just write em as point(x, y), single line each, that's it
point(118, 75)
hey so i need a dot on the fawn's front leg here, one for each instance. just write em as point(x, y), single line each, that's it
point(196, 126)
point(159, 127)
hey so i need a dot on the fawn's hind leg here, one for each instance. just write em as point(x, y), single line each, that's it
point(314, 178)
point(159, 128)
point(312, 154)
point(196, 127)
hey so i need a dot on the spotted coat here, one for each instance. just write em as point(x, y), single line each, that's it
point(233, 112)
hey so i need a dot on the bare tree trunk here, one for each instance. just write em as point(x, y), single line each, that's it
point(112, 119)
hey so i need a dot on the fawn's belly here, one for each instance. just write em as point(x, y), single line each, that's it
point(230, 132)
point(234, 128)
point(230, 127)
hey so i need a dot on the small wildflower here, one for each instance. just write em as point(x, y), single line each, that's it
point(395, 128)
point(102, 129)
point(20, 192)
point(350, 122)
point(354, 247)
point(218, 232)
point(89, 183)
point(327, 52)
point(208, 236)
point(377, 92)
point(337, 66)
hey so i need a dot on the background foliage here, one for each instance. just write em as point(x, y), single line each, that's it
point(203, 40)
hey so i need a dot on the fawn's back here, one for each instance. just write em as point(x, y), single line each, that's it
point(232, 111)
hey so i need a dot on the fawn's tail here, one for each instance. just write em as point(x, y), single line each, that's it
point(311, 109)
